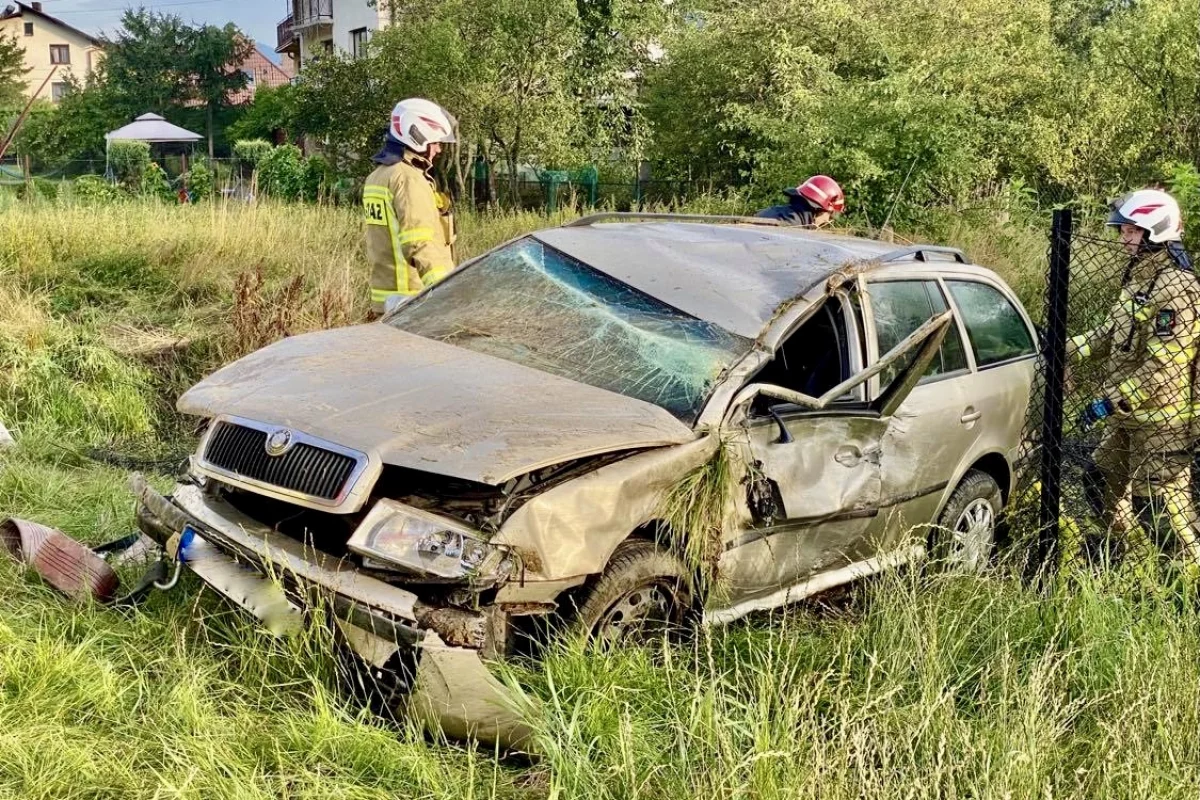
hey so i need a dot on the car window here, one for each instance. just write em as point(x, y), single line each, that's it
point(995, 327)
point(900, 307)
point(813, 359)
point(532, 305)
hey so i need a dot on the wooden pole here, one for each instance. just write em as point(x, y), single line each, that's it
point(8, 140)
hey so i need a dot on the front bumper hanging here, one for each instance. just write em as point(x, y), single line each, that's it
point(275, 577)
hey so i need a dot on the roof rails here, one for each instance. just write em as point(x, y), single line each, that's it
point(922, 252)
point(634, 216)
point(917, 253)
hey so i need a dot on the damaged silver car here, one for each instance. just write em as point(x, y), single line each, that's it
point(497, 454)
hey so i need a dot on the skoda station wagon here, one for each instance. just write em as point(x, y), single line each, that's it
point(492, 460)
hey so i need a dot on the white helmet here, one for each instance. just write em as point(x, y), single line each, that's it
point(1152, 210)
point(417, 123)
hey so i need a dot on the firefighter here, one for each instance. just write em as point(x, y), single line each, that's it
point(1147, 345)
point(409, 223)
point(812, 204)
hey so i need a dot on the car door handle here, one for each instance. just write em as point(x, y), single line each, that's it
point(970, 415)
point(848, 456)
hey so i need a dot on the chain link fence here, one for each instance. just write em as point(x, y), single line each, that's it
point(1109, 486)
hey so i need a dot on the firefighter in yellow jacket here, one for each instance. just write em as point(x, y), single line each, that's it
point(409, 223)
point(1148, 346)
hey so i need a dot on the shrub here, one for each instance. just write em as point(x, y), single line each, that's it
point(318, 177)
point(251, 152)
point(129, 161)
point(200, 181)
point(155, 183)
point(93, 188)
point(38, 188)
point(281, 173)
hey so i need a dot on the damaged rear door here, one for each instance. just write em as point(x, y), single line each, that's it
point(813, 479)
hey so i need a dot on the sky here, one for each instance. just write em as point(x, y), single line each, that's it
point(257, 18)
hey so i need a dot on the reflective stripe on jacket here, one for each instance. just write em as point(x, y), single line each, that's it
point(409, 230)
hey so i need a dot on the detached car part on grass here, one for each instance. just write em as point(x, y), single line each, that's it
point(497, 454)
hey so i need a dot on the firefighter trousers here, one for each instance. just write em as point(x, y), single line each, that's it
point(1132, 466)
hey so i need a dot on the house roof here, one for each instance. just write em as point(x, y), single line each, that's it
point(152, 128)
point(13, 10)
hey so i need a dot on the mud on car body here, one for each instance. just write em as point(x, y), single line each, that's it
point(496, 453)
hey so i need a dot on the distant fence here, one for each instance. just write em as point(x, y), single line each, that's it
point(18, 170)
point(548, 191)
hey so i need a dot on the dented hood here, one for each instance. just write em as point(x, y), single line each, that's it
point(418, 403)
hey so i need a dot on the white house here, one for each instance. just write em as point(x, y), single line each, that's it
point(52, 47)
point(313, 28)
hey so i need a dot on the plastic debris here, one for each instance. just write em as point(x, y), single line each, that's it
point(70, 567)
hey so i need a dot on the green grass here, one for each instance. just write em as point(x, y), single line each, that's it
point(937, 689)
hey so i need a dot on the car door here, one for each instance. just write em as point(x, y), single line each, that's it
point(812, 481)
point(1002, 344)
point(937, 426)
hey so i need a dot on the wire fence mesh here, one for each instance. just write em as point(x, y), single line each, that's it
point(1113, 433)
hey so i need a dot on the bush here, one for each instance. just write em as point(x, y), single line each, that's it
point(251, 152)
point(129, 162)
point(95, 189)
point(155, 183)
point(38, 188)
point(318, 177)
point(200, 181)
point(281, 173)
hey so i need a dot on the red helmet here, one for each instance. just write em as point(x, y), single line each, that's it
point(823, 192)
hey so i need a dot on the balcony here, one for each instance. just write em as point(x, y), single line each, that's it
point(285, 36)
point(309, 13)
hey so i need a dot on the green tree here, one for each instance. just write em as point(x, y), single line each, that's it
point(12, 72)
point(505, 69)
point(273, 110)
point(342, 104)
point(216, 55)
point(909, 103)
point(156, 62)
point(72, 129)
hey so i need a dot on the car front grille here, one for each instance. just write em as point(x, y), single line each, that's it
point(304, 469)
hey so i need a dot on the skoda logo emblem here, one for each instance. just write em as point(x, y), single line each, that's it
point(279, 442)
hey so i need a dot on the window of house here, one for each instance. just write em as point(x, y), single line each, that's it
point(29, 29)
point(60, 54)
point(358, 42)
point(249, 73)
point(58, 91)
point(997, 330)
point(900, 307)
point(328, 45)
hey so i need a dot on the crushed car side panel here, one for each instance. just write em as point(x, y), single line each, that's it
point(572, 529)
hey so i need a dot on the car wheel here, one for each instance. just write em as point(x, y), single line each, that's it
point(965, 535)
point(643, 594)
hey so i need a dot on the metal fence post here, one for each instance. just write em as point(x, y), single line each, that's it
point(1054, 374)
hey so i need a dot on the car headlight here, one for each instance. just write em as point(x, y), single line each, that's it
point(426, 544)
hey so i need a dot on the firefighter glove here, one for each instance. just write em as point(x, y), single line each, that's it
point(1098, 409)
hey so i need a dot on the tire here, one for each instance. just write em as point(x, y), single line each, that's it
point(644, 593)
point(965, 537)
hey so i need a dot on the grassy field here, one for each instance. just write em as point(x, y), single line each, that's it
point(943, 689)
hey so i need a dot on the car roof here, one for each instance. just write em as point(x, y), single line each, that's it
point(733, 273)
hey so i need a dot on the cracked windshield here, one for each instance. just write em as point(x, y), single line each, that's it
point(532, 305)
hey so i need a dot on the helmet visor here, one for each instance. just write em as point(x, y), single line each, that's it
point(1116, 219)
